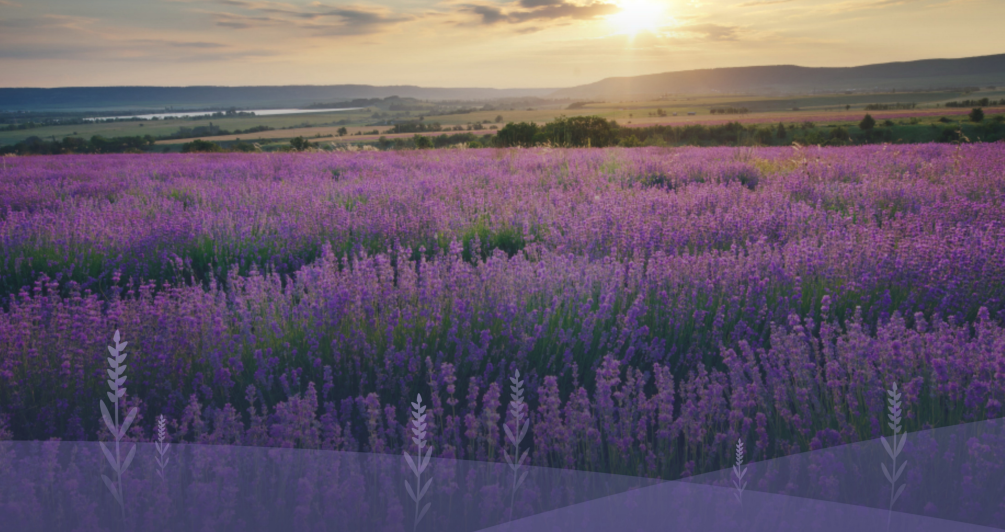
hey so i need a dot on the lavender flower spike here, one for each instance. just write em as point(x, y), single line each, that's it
point(162, 448)
point(116, 379)
point(418, 466)
point(516, 409)
point(739, 471)
point(894, 450)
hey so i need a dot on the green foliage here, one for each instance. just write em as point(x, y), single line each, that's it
point(867, 123)
point(212, 131)
point(889, 106)
point(422, 142)
point(983, 102)
point(300, 144)
point(35, 145)
point(445, 140)
point(199, 145)
point(888, 123)
point(582, 131)
point(631, 141)
point(517, 134)
point(415, 127)
point(839, 136)
point(950, 134)
point(342, 131)
point(240, 146)
point(728, 111)
point(976, 115)
point(781, 133)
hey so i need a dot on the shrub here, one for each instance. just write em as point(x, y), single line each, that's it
point(199, 145)
point(422, 142)
point(867, 123)
point(300, 144)
point(517, 134)
point(976, 115)
point(839, 135)
point(631, 141)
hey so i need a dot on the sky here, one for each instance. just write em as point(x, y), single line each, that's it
point(466, 43)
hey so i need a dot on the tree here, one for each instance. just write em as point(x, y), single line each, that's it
point(342, 131)
point(499, 119)
point(199, 145)
point(847, 107)
point(300, 144)
point(867, 123)
point(590, 131)
point(517, 134)
point(781, 133)
point(631, 141)
point(422, 142)
point(977, 115)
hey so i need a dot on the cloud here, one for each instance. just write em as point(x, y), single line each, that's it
point(712, 32)
point(177, 44)
point(321, 19)
point(490, 15)
point(130, 50)
point(7, 3)
point(759, 3)
point(566, 10)
point(540, 3)
point(540, 10)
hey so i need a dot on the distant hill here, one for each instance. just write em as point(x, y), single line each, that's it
point(911, 75)
point(134, 98)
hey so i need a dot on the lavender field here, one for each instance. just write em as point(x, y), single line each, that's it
point(660, 304)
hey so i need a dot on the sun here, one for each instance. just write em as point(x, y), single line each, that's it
point(637, 15)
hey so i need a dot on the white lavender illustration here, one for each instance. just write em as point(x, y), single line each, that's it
point(894, 450)
point(116, 379)
point(421, 461)
point(516, 408)
point(161, 446)
point(739, 471)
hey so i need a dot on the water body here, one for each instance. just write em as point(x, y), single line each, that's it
point(257, 112)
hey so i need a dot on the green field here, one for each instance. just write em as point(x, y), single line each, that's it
point(837, 109)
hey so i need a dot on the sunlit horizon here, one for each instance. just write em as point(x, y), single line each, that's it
point(464, 43)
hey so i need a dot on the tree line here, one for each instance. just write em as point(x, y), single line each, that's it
point(983, 102)
point(889, 106)
point(35, 145)
point(586, 131)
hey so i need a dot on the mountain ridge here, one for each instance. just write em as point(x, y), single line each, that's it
point(908, 75)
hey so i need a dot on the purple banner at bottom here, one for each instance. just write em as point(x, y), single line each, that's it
point(944, 479)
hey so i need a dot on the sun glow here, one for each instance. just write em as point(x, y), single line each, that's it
point(637, 15)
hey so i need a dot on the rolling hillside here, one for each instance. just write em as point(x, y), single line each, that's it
point(913, 75)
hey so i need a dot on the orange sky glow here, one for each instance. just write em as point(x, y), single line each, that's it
point(466, 43)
